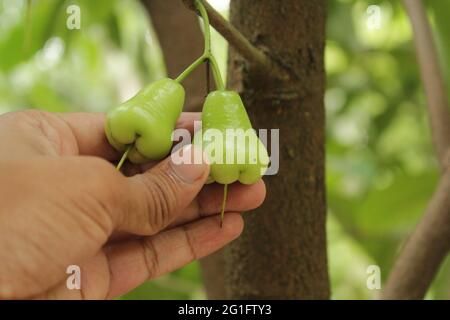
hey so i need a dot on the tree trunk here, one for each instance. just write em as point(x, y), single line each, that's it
point(282, 252)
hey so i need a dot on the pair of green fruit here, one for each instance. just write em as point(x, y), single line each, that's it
point(147, 120)
point(143, 125)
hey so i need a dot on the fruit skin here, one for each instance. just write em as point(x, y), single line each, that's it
point(147, 120)
point(224, 110)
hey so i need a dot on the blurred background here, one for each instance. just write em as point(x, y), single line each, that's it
point(381, 167)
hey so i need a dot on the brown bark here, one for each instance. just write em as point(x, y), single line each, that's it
point(181, 41)
point(282, 252)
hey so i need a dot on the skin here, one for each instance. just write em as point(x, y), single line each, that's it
point(63, 203)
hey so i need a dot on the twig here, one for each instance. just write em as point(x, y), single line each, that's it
point(124, 157)
point(421, 256)
point(252, 54)
point(432, 79)
point(424, 251)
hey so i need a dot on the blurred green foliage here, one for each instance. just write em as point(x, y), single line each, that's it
point(381, 167)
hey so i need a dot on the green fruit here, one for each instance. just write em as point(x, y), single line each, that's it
point(224, 112)
point(147, 120)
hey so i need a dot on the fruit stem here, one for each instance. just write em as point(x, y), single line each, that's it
point(208, 77)
point(191, 68)
point(206, 28)
point(208, 52)
point(224, 201)
point(216, 73)
point(124, 157)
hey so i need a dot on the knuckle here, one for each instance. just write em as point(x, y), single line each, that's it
point(25, 118)
point(30, 113)
point(190, 243)
point(44, 124)
point(35, 112)
point(162, 194)
point(150, 256)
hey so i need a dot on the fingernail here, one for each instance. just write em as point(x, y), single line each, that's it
point(189, 164)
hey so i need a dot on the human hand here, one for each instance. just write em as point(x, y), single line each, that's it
point(63, 203)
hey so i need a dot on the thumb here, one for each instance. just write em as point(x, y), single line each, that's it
point(157, 196)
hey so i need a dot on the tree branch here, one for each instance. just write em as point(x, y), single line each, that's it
point(432, 79)
point(256, 58)
point(424, 251)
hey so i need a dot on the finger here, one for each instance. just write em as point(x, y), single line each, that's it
point(240, 198)
point(134, 262)
point(152, 200)
point(89, 132)
point(187, 121)
point(121, 267)
point(94, 279)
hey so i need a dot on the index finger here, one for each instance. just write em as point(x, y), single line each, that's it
point(89, 132)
